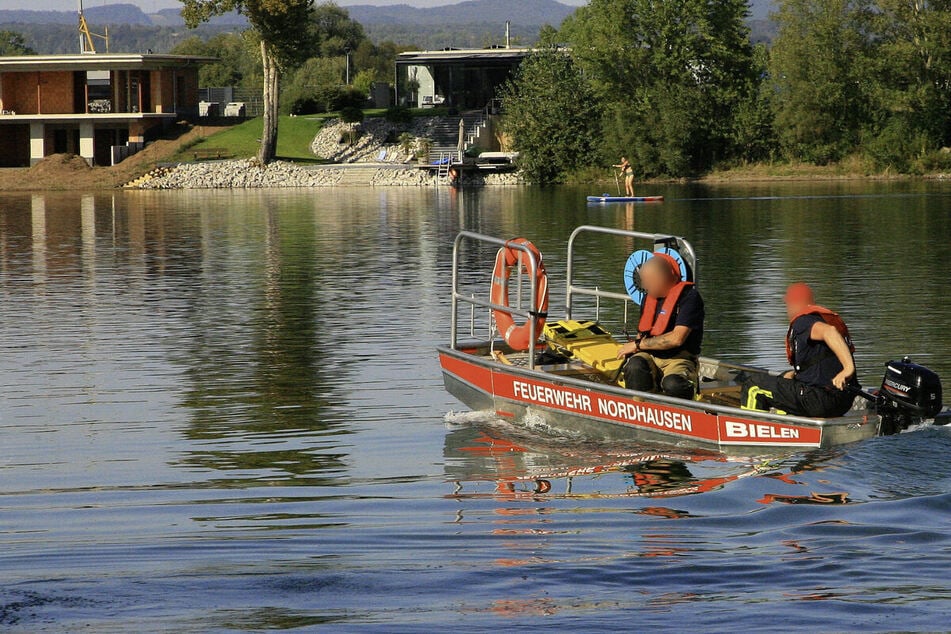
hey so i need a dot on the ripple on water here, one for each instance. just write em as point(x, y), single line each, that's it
point(222, 411)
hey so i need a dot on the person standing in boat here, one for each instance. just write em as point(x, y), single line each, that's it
point(628, 172)
point(822, 383)
point(664, 356)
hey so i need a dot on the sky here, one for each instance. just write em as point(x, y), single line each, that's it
point(150, 6)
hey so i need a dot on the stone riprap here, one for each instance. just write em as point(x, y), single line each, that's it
point(372, 140)
point(249, 174)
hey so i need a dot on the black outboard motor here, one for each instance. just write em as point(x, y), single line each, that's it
point(910, 393)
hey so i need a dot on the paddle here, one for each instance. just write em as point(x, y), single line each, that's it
point(617, 182)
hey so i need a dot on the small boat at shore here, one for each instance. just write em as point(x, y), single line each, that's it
point(564, 376)
point(604, 199)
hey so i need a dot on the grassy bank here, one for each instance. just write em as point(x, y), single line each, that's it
point(243, 140)
point(853, 168)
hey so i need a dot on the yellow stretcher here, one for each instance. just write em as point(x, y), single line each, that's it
point(585, 341)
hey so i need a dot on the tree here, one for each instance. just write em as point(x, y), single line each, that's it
point(316, 86)
point(754, 132)
point(670, 74)
point(551, 116)
point(819, 64)
point(13, 43)
point(282, 27)
point(236, 59)
point(910, 94)
point(331, 32)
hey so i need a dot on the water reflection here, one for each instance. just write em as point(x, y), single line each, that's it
point(177, 364)
point(522, 466)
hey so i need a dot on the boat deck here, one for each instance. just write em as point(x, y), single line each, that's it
point(716, 384)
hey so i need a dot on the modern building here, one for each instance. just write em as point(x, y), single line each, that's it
point(464, 79)
point(102, 107)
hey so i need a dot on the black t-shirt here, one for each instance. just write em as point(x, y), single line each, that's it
point(814, 361)
point(688, 312)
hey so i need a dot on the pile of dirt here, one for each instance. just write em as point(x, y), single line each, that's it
point(59, 164)
point(68, 171)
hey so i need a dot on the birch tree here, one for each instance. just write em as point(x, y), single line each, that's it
point(282, 27)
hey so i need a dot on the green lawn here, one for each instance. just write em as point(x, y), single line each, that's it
point(295, 135)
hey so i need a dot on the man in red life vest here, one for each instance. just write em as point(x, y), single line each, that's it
point(664, 355)
point(820, 350)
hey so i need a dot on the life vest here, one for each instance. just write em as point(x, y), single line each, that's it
point(830, 317)
point(654, 322)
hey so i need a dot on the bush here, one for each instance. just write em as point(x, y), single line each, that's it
point(351, 114)
point(305, 105)
point(399, 115)
point(934, 161)
point(406, 141)
point(896, 145)
point(349, 98)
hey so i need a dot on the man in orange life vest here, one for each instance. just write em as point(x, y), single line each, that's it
point(664, 355)
point(820, 350)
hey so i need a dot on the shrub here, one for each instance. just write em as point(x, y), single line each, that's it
point(351, 115)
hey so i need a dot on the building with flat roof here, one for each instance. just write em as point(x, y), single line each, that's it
point(465, 79)
point(100, 106)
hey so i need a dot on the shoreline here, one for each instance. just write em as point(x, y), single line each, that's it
point(65, 173)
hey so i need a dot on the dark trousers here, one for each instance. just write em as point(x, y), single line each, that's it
point(795, 397)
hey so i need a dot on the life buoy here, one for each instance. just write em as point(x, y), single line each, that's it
point(632, 270)
point(517, 336)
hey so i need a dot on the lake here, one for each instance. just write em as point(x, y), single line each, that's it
point(222, 411)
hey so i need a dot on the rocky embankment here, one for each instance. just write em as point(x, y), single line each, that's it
point(249, 174)
point(372, 159)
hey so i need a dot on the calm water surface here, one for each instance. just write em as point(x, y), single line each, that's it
point(223, 412)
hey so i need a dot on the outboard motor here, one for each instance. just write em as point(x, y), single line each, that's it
point(910, 393)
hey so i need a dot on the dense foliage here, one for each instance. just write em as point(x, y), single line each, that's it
point(679, 89)
point(670, 76)
point(12, 43)
point(551, 116)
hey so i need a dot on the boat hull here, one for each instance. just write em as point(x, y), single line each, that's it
point(597, 411)
point(625, 199)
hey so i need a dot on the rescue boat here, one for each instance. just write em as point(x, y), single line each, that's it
point(565, 375)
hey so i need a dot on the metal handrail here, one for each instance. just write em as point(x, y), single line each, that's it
point(659, 241)
point(474, 301)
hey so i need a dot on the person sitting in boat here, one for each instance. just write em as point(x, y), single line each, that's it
point(822, 383)
point(664, 356)
point(628, 172)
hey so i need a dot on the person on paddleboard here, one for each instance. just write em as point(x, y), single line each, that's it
point(663, 357)
point(822, 383)
point(628, 172)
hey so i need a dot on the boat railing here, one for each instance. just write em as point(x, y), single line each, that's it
point(474, 301)
point(659, 241)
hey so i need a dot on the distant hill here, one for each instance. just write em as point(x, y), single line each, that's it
point(522, 12)
point(109, 14)
point(465, 24)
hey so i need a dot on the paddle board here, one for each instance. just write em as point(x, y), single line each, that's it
point(625, 199)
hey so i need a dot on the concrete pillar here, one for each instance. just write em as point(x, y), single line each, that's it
point(87, 147)
point(37, 142)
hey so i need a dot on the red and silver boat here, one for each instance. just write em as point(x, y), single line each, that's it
point(576, 391)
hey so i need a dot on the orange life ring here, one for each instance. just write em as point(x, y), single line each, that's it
point(508, 258)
